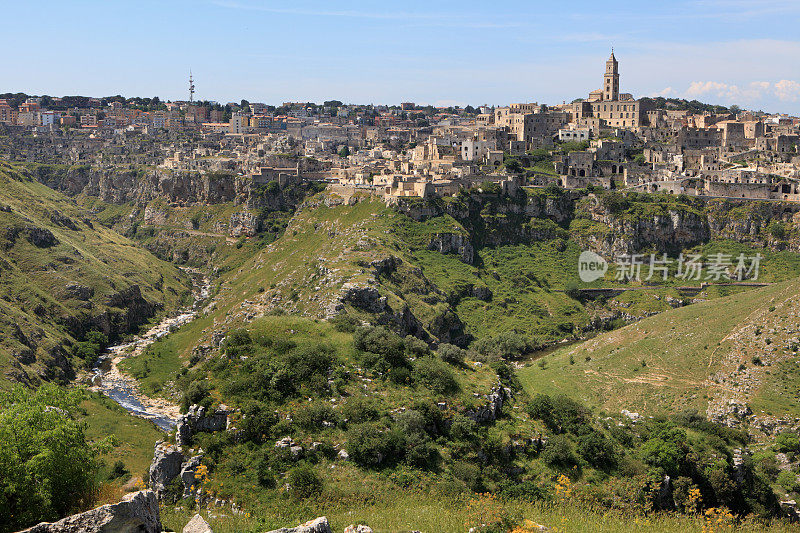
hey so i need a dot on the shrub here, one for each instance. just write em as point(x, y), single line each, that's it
point(788, 480)
point(264, 475)
point(416, 347)
point(257, 422)
point(450, 353)
point(662, 454)
point(196, 393)
point(345, 323)
point(359, 409)
point(463, 428)
point(89, 349)
point(48, 469)
point(597, 450)
point(507, 345)
point(368, 445)
point(559, 413)
point(387, 346)
point(787, 443)
point(311, 415)
point(435, 375)
point(559, 453)
point(304, 482)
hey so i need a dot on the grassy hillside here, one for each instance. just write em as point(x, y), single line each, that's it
point(62, 274)
point(741, 346)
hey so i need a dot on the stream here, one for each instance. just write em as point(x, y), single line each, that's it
point(122, 388)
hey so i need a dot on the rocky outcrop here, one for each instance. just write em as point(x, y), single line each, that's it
point(166, 465)
point(453, 243)
point(188, 475)
point(492, 409)
point(318, 525)
point(365, 298)
point(138, 512)
point(197, 525)
point(199, 420)
point(357, 529)
point(244, 224)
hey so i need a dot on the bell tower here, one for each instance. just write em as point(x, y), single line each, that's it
point(611, 79)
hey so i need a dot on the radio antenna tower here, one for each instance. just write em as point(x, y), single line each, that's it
point(191, 87)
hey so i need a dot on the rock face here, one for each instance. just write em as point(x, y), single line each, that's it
point(244, 223)
point(198, 420)
point(489, 412)
point(166, 466)
point(197, 525)
point(318, 525)
point(453, 243)
point(137, 513)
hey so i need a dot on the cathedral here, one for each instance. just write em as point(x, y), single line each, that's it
point(607, 106)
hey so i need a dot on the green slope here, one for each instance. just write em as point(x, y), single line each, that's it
point(62, 274)
point(686, 357)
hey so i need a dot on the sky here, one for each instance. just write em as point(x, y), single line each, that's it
point(438, 52)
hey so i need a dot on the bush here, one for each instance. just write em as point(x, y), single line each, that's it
point(559, 453)
point(345, 323)
point(89, 349)
point(463, 428)
point(662, 454)
point(787, 443)
point(387, 346)
point(118, 470)
point(788, 480)
point(264, 476)
point(368, 445)
point(304, 482)
point(48, 469)
point(359, 409)
point(312, 415)
point(450, 353)
point(559, 413)
point(507, 345)
point(597, 450)
point(432, 373)
point(416, 347)
point(196, 393)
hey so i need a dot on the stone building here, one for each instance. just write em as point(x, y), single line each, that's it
point(614, 109)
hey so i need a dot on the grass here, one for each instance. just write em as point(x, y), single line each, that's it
point(682, 349)
point(34, 279)
point(402, 511)
point(133, 437)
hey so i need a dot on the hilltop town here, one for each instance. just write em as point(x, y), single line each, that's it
point(244, 315)
point(609, 140)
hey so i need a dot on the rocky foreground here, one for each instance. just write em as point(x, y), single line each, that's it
point(138, 512)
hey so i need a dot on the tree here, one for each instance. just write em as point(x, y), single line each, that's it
point(344, 152)
point(47, 467)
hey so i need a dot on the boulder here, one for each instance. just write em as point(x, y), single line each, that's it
point(197, 525)
point(198, 420)
point(188, 471)
point(166, 466)
point(357, 529)
point(318, 525)
point(41, 237)
point(137, 513)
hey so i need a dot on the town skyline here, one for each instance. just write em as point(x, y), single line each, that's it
point(261, 51)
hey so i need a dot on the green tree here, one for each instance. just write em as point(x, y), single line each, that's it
point(47, 467)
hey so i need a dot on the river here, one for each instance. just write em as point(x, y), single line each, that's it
point(122, 388)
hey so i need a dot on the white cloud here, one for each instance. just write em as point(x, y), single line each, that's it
point(787, 91)
point(666, 92)
point(752, 93)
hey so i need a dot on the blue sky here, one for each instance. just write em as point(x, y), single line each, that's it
point(439, 52)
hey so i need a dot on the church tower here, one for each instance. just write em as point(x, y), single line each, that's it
point(611, 79)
